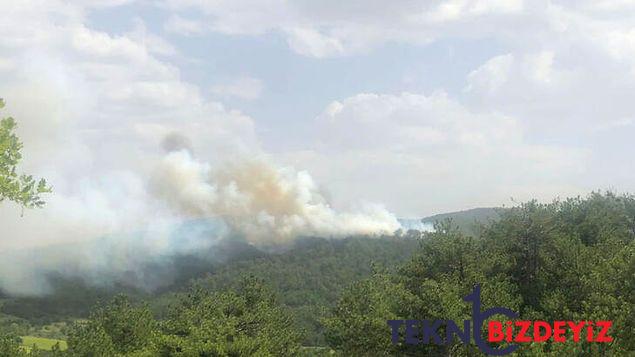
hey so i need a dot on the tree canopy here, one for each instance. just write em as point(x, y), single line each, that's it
point(566, 260)
point(22, 189)
point(571, 259)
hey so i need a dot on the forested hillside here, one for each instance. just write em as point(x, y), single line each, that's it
point(468, 221)
point(311, 274)
point(568, 260)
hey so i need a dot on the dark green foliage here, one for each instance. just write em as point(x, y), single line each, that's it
point(568, 260)
point(311, 275)
point(69, 298)
point(359, 326)
point(21, 189)
point(244, 321)
point(10, 346)
point(90, 339)
point(117, 327)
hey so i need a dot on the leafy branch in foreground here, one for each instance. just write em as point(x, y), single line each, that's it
point(19, 188)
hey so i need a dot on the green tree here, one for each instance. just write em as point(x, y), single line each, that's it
point(118, 328)
point(358, 324)
point(566, 260)
point(245, 321)
point(19, 188)
point(10, 346)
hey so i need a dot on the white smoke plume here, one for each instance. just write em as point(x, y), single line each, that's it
point(266, 204)
point(110, 228)
point(93, 111)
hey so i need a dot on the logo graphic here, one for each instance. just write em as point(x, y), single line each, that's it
point(512, 332)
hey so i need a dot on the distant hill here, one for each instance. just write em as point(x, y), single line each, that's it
point(469, 220)
point(309, 275)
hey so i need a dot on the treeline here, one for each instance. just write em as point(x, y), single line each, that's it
point(310, 277)
point(72, 297)
point(568, 260)
point(244, 321)
point(307, 277)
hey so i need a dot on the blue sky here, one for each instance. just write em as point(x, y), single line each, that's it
point(309, 83)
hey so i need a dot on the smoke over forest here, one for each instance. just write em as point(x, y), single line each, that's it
point(184, 206)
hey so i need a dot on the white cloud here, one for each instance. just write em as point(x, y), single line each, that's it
point(491, 75)
point(560, 71)
point(243, 87)
point(457, 10)
point(337, 28)
point(428, 153)
point(153, 43)
point(92, 109)
point(310, 42)
point(183, 26)
point(534, 70)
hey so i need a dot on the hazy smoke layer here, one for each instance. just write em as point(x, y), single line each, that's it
point(113, 228)
point(94, 111)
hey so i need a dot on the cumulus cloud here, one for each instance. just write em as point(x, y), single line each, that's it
point(312, 43)
point(243, 87)
point(434, 150)
point(331, 29)
point(184, 26)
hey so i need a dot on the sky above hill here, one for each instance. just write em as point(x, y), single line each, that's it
point(419, 106)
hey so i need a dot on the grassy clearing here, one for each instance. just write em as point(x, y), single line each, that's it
point(41, 342)
point(307, 351)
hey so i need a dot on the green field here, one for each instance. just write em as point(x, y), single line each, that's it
point(41, 342)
